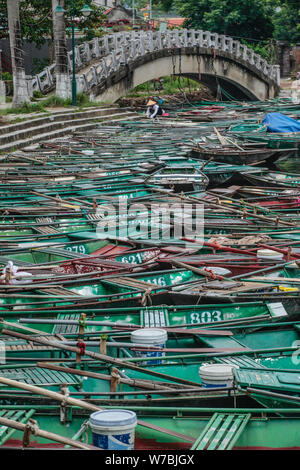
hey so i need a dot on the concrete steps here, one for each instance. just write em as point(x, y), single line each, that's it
point(16, 136)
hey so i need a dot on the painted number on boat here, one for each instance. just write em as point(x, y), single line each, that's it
point(205, 317)
point(132, 259)
point(76, 248)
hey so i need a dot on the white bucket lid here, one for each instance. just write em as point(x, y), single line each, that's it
point(113, 418)
point(218, 270)
point(149, 336)
point(213, 371)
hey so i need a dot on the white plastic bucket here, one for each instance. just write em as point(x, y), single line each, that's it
point(217, 375)
point(113, 429)
point(269, 255)
point(150, 337)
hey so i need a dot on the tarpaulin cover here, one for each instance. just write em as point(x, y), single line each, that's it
point(277, 122)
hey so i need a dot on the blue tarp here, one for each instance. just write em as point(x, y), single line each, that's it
point(277, 122)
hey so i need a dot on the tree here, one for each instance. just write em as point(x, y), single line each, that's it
point(60, 52)
point(286, 19)
point(36, 19)
point(17, 56)
point(249, 19)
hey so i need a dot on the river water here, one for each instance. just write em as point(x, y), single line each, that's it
point(289, 165)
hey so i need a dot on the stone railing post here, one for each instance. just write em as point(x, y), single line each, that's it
point(276, 73)
point(168, 39)
point(142, 46)
point(245, 52)
point(184, 38)
point(200, 41)
point(150, 39)
point(132, 50)
point(209, 38)
point(113, 60)
point(237, 48)
point(106, 44)
point(78, 61)
point(87, 52)
point(251, 56)
point(193, 38)
point(223, 42)
point(159, 40)
point(95, 48)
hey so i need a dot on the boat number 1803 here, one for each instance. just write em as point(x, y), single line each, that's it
point(206, 317)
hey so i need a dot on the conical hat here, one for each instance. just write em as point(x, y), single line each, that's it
point(150, 103)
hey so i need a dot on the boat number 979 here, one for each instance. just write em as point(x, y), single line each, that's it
point(206, 317)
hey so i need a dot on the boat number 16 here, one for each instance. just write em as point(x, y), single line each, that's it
point(206, 317)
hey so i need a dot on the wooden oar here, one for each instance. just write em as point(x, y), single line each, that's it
point(136, 383)
point(202, 272)
point(82, 404)
point(45, 434)
point(97, 356)
point(191, 350)
point(183, 331)
point(228, 209)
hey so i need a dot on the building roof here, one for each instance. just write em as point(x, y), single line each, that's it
point(175, 21)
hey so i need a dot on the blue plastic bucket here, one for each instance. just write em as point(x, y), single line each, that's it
point(150, 337)
point(113, 429)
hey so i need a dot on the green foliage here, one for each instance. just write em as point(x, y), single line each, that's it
point(37, 94)
point(266, 49)
point(236, 18)
point(287, 21)
point(39, 65)
point(25, 108)
point(170, 85)
point(7, 76)
point(36, 19)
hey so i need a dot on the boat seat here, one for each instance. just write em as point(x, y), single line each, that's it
point(222, 431)
point(6, 259)
point(41, 377)
point(241, 361)
point(66, 329)
point(21, 416)
point(154, 317)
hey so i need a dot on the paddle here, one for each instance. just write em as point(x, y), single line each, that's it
point(80, 403)
point(97, 356)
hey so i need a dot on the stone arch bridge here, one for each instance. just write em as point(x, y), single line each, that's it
point(108, 68)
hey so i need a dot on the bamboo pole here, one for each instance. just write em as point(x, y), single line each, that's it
point(45, 434)
point(229, 209)
point(137, 383)
point(101, 357)
point(82, 404)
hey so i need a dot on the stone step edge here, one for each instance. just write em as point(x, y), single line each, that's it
point(50, 118)
point(60, 132)
point(7, 138)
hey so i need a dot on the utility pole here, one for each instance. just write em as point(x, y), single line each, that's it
point(21, 95)
point(133, 13)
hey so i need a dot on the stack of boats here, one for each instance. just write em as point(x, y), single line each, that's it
point(106, 305)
